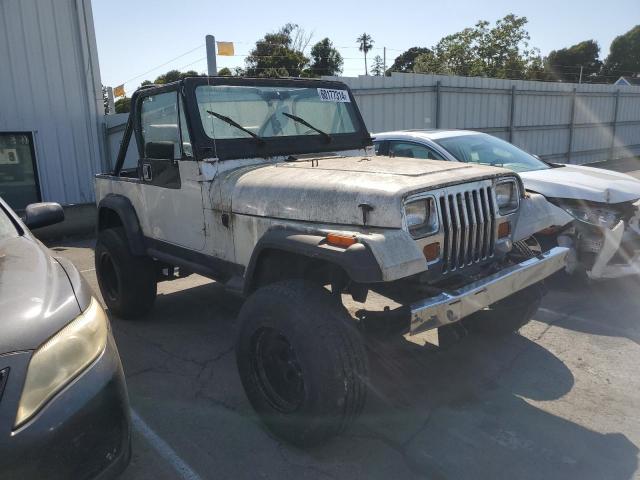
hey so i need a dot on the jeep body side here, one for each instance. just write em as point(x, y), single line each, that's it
point(271, 187)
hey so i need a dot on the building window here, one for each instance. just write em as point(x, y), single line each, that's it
point(18, 179)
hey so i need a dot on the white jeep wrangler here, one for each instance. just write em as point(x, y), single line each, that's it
point(270, 187)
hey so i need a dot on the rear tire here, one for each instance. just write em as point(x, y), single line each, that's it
point(301, 361)
point(514, 312)
point(127, 282)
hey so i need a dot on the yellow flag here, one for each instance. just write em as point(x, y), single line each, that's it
point(119, 91)
point(225, 49)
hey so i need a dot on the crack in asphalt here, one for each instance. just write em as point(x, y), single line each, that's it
point(281, 451)
point(401, 449)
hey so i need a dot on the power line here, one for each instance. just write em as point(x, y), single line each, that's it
point(163, 64)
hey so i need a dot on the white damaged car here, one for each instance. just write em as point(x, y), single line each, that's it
point(596, 211)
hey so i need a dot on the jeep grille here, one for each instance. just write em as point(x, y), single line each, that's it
point(468, 219)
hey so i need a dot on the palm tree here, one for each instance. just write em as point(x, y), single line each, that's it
point(366, 44)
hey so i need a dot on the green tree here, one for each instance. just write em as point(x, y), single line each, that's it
point(406, 60)
point(624, 55)
point(225, 72)
point(564, 64)
point(501, 51)
point(278, 54)
point(123, 105)
point(171, 76)
point(325, 60)
point(174, 76)
point(377, 68)
point(365, 44)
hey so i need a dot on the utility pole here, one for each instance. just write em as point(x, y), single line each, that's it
point(210, 42)
point(580, 79)
point(111, 102)
point(384, 60)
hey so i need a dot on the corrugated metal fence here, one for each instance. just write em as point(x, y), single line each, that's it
point(563, 122)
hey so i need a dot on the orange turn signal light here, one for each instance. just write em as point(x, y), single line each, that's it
point(432, 251)
point(504, 230)
point(341, 240)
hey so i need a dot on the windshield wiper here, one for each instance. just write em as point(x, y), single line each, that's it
point(233, 123)
point(301, 120)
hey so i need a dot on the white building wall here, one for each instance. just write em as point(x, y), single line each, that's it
point(50, 86)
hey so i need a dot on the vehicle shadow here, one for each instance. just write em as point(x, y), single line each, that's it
point(464, 412)
point(605, 308)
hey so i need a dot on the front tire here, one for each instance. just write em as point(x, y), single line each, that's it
point(127, 282)
point(514, 312)
point(508, 315)
point(301, 361)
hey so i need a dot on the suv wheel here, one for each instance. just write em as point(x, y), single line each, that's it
point(514, 312)
point(301, 361)
point(127, 282)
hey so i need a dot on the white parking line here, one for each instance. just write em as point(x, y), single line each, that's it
point(88, 270)
point(163, 448)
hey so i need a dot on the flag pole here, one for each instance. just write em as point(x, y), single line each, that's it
point(210, 42)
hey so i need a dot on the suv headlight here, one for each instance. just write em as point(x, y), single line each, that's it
point(507, 196)
point(421, 217)
point(58, 361)
point(598, 217)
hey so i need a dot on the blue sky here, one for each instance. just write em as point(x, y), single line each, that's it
point(135, 37)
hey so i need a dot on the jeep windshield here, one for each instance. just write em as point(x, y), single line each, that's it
point(287, 116)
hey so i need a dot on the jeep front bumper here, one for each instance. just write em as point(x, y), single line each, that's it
point(450, 307)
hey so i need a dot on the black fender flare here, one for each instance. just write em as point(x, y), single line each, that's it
point(123, 207)
point(357, 261)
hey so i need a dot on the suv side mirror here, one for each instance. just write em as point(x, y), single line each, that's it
point(42, 214)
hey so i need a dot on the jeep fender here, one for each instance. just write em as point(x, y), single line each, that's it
point(357, 261)
point(114, 204)
point(378, 257)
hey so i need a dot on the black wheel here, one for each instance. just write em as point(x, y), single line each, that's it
point(509, 315)
point(127, 282)
point(301, 361)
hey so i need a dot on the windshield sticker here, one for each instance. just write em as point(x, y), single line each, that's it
point(331, 95)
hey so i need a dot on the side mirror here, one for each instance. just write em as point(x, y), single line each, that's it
point(42, 214)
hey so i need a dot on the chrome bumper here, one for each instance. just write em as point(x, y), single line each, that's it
point(450, 307)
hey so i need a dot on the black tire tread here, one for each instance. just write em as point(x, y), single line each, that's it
point(331, 325)
point(138, 272)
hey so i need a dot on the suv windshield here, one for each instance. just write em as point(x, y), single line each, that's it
point(277, 111)
point(487, 150)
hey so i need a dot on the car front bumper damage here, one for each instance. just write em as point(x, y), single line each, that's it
point(450, 307)
point(614, 260)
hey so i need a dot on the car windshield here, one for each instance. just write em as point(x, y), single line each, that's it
point(7, 228)
point(487, 150)
point(274, 111)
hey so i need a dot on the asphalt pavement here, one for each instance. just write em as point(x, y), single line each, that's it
point(560, 400)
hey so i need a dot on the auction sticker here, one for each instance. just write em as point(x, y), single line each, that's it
point(331, 95)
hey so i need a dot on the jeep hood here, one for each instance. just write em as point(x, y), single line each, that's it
point(583, 183)
point(330, 190)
